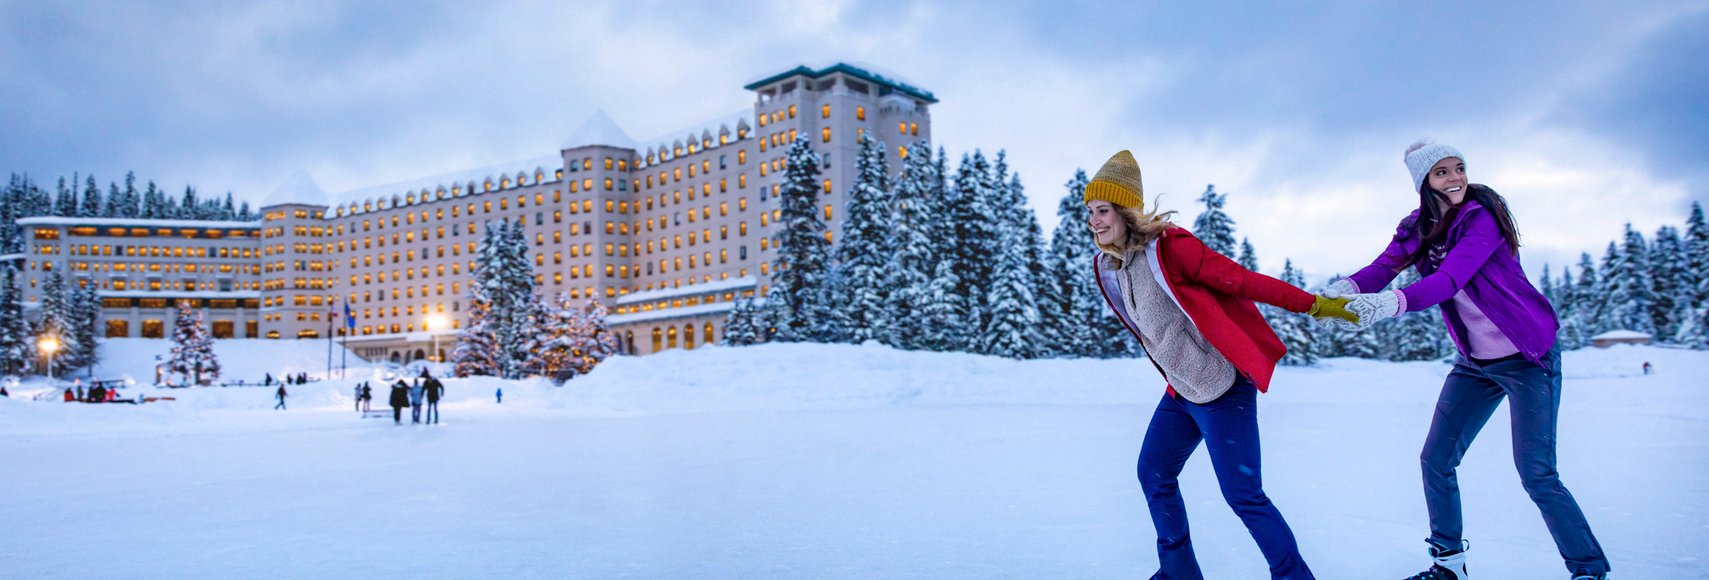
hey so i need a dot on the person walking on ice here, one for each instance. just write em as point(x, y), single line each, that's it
point(1192, 309)
point(1463, 242)
point(281, 395)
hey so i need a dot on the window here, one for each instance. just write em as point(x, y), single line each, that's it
point(860, 113)
point(825, 134)
point(825, 111)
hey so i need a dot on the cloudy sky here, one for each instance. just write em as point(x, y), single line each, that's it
point(1585, 114)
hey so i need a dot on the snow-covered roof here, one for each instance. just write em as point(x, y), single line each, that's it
point(732, 124)
point(299, 188)
point(865, 72)
point(470, 180)
point(136, 222)
point(666, 313)
point(690, 290)
point(599, 129)
point(199, 294)
point(1621, 335)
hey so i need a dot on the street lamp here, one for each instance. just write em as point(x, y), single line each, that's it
point(436, 322)
point(48, 345)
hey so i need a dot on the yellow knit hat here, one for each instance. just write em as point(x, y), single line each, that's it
point(1117, 182)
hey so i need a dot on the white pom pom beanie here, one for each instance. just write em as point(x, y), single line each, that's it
point(1420, 160)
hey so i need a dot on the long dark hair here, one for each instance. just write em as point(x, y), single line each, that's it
point(1433, 221)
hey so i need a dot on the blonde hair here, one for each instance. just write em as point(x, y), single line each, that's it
point(1142, 228)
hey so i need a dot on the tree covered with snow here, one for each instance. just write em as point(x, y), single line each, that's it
point(17, 344)
point(1213, 226)
point(1630, 290)
point(863, 254)
point(1012, 326)
point(745, 324)
point(502, 307)
point(799, 301)
point(1070, 298)
point(192, 361)
point(1297, 331)
point(570, 339)
point(59, 320)
point(923, 307)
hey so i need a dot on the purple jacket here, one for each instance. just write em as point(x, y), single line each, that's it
point(1480, 262)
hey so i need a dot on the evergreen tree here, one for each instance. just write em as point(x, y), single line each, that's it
point(1572, 334)
point(1667, 263)
point(1073, 302)
point(1013, 317)
point(968, 208)
point(65, 201)
point(59, 319)
point(84, 315)
point(864, 254)
point(228, 211)
point(916, 245)
point(92, 203)
point(1248, 256)
point(193, 360)
point(1213, 227)
point(1588, 298)
point(1631, 292)
point(594, 341)
point(1296, 331)
point(798, 299)
point(16, 342)
point(741, 327)
point(1693, 300)
point(11, 238)
point(1417, 336)
point(130, 207)
point(244, 213)
point(189, 208)
point(502, 307)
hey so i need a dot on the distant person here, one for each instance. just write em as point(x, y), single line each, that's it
point(434, 389)
point(399, 400)
point(302, 378)
point(356, 397)
point(69, 396)
point(3, 392)
point(500, 395)
point(281, 395)
point(415, 394)
point(367, 396)
point(1646, 367)
point(1463, 243)
point(80, 392)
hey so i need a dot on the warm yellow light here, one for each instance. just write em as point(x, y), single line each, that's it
point(437, 321)
point(48, 345)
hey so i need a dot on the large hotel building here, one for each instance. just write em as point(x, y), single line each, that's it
point(666, 233)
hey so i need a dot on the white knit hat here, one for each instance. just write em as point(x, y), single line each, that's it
point(1420, 160)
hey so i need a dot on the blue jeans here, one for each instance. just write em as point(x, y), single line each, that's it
point(1469, 397)
point(1229, 428)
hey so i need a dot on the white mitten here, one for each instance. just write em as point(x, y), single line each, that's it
point(1373, 307)
point(1340, 287)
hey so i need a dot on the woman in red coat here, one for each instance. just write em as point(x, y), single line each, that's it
point(1192, 309)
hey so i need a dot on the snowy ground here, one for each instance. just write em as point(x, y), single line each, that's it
point(812, 461)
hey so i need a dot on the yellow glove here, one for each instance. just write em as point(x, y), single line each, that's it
point(1325, 307)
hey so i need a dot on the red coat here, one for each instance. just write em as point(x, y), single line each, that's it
point(1217, 295)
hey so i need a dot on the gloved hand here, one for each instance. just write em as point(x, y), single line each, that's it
point(1373, 307)
point(1340, 287)
point(1325, 307)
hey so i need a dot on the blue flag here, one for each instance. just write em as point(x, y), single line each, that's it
point(349, 318)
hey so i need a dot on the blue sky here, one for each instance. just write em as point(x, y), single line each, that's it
point(1586, 115)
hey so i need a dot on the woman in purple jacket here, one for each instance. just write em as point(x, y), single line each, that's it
point(1465, 246)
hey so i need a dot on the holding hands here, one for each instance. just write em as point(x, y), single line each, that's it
point(1342, 306)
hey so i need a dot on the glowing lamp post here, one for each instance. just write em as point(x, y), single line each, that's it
point(433, 324)
point(48, 345)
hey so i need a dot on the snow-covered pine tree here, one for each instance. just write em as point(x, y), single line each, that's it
point(64, 201)
point(1667, 263)
point(739, 326)
point(58, 319)
point(1588, 298)
point(1693, 298)
point(1418, 336)
point(969, 213)
point(1213, 226)
point(1297, 331)
point(865, 251)
point(189, 206)
point(1012, 313)
point(244, 213)
point(798, 300)
point(1630, 289)
point(16, 342)
point(85, 313)
point(595, 342)
point(90, 206)
point(556, 322)
point(1571, 335)
point(1074, 304)
point(228, 210)
point(192, 360)
point(1248, 256)
point(914, 240)
point(501, 307)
